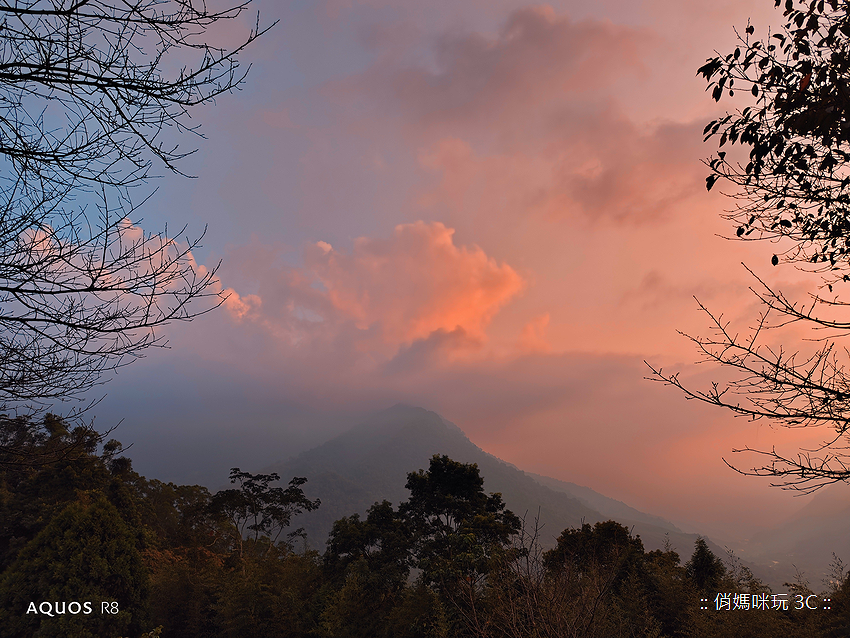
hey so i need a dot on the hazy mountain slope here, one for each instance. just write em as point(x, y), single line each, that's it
point(808, 538)
point(371, 461)
point(606, 506)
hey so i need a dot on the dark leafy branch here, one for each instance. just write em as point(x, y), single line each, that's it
point(793, 189)
point(795, 183)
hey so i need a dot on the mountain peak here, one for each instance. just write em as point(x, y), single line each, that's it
point(371, 461)
point(403, 415)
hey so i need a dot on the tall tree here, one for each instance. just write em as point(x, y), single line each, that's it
point(456, 526)
point(87, 553)
point(704, 569)
point(458, 533)
point(259, 512)
point(792, 187)
point(367, 565)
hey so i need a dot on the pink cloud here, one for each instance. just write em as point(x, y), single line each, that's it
point(402, 289)
point(595, 166)
point(536, 57)
point(534, 119)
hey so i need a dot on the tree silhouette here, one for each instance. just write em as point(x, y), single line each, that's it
point(89, 92)
point(367, 566)
point(458, 532)
point(258, 511)
point(704, 568)
point(793, 189)
point(456, 526)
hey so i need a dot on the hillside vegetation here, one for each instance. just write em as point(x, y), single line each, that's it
point(78, 524)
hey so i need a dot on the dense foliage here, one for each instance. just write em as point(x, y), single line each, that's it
point(794, 183)
point(451, 561)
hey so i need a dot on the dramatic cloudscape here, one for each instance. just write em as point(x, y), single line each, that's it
point(494, 210)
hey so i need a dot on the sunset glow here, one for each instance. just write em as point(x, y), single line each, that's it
point(493, 210)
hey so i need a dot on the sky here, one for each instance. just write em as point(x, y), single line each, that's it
point(494, 210)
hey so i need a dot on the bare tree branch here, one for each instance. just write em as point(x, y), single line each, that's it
point(788, 389)
point(89, 92)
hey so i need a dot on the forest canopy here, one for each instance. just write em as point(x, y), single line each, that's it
point(451, 560)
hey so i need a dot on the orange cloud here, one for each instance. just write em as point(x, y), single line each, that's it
point(396, 290)
point(415, 283)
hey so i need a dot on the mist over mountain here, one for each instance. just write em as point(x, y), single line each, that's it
point(371, 461)
point(609, 507)
point(807, 539)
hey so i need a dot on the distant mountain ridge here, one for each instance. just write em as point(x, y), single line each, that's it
point(370, 463)
point(807, 539)
point(607, 506)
